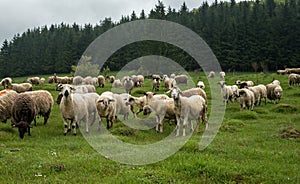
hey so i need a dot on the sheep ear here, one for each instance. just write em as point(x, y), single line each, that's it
point(111, 100)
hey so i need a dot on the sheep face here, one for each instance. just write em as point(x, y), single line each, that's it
point(59, 87)
point(104, 102)
point(23, 127)
point(146, 110)
point(67, 90)
point(175, 93)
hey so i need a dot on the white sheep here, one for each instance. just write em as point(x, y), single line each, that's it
point(77, 107)
point(117, 83)
point(181, 79)
point(6, 82)
point(200, 84)
point(222, 75)
point(227, 92)
point(162, 109)
point(243, 84)
point(43, 103)
point(155, 84)
point(127, 84)
point(7, 98)
point(274, 92)
point(111, 78)
point(293, 79)
point(211, 74)
point(277, 82)
point(246, 99)
point(260, 91)
point(194, 91)
point(169, 82)
point(19, 88)
point(77, 80)
point(33, 80)
point(188, 109)
point(106, 107)
point(101, 81)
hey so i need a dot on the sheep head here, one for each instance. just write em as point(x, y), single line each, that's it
point(22, 126)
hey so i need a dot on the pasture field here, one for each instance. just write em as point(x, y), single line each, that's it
point(248, 148)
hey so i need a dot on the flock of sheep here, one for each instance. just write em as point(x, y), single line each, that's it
point(79, 101)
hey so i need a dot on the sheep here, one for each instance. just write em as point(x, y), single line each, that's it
point(64, 80)
point(76, 89)
point(140, 79)
point(200, 84)
point(23, 112)
point(101, 81)
point(77, 80)
point(281, 72)
point(181, 79)
point(194, 91)
point(169, 82)
point(260, 91)
point(111, 79)
point(188, 109)
point(117, 83)
point(43, 103)
point(162, 109)
point(106, 107)
point(77, 107)
point(127, 84)
point(6, 101)
point(247, 99)
point(234, 89)
point(222, 75)
point(138, 101)
point(6, 82)
point(33, 80)
point(275, 82)
point(274, 92)
point(293, 70)
point(173, 75)
point(19, 88)
point(227, 92)
point(156, 76)
point(42, 80)
point(122, 108)
point(243, 84)
point(52, 79)
point(211, 74)
point(293, 78)
point(155, 84)
point(88, 80)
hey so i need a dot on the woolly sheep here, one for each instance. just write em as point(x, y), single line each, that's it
point(64, 80)
point(117, 83)
point(192, 91)
point(173, 75)
point(33, 80)
point(274, 92)
point(188, 109)
point(155, 84)
point(169, 82)
point(106, 107)
point(127, 84)
point(222, 75)
point(181, 79)
point(139, 102)
point(260, 91)
point(77, 107)
point(77, 80)
point(281, 72)
point(19, 88)
point(122, 108)
point(101, 81)
point(6, 82)
point(23, 113)
point(293, 79)
point(211, 74)
point(6, 101)
point(111, 79)
point(200, 84)
point(275, 82)
point(227, 92)
point(43, 103)
point(243, 84)
point(162, 109)
point(246, 99)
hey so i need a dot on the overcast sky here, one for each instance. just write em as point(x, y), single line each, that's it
point(19, 15)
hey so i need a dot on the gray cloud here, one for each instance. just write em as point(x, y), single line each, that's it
point(20, 15)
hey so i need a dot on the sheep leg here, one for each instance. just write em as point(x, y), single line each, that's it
point(34, 119)
point(100, 124)
point(73, 123)
point(177, 125)
point(191, 125)
point(66, 127)
point(28, 129)
point(185, 122)
point(86, 119)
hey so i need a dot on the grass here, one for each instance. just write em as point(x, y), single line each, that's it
point(247, 149)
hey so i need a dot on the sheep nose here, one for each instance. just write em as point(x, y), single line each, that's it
point(66, 93)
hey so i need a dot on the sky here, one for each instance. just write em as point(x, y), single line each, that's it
point(19, 15)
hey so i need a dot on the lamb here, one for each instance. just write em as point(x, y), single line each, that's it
point(246, 99)
point(274, 92)
point(211, 74)
point(23, 113)
point(117, 83)
point(77, 80)
point(77, 107)
point(162, 109)
point(155, 84)
point(6, 101)
point(127, 84)
point(200, 84)
point(106, 107)
point(188, 109)
point(181, 79)
point(6, 82)
point(43, 103)
point(222, 75)
point(19, 88)
point(227, 92)
point(101, 81)
point(138, 101)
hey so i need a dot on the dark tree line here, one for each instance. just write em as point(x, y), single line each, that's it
point(241, 35)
